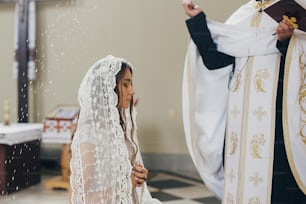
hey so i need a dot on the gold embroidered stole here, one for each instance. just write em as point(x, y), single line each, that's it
point(250, 129)
point(294, 109)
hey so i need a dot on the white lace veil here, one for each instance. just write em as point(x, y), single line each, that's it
point(100, 164)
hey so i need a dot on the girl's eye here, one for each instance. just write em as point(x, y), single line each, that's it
point(126, 84)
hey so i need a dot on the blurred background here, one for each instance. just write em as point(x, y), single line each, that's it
point(73, 34)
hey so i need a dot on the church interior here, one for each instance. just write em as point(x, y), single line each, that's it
point(62, 39)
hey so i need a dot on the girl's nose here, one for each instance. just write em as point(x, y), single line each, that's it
point(132, 91)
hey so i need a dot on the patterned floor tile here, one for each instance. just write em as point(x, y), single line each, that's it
point(162, 196)
point(184, 201)
point(191, 192)
point(169, 183)
point(208, 200)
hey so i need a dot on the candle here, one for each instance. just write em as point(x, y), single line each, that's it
point(6, 111)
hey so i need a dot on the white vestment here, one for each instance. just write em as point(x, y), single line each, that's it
point(246, 107)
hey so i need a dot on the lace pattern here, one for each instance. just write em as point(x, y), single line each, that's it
point(100, 164)
point(100, 170)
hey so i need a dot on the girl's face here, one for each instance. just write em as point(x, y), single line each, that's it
point(125, 89)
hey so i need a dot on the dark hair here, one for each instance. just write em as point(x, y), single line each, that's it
point(119, 76)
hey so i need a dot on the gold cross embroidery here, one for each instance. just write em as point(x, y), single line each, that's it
point(235, 112)
point(254, 200)
point(260, 113)
point(229, 199)
point(231, 176)
point(256, 179)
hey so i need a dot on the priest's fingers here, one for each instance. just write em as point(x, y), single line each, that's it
point(284, 31)
point(191, 9)
point(287, 26)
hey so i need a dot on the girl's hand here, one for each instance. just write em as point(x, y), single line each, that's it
point(139, 175)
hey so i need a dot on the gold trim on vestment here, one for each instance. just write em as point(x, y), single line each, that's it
point(285, 115)
point(255, 22)
point(227, 198)
point(244, 129)
point(273, 120)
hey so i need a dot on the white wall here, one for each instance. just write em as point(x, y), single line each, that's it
point(72, 35)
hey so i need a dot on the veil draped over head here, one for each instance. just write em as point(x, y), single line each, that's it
point(100, 164)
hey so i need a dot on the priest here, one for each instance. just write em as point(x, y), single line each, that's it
point(243, 105)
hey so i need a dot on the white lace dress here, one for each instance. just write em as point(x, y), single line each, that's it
point(100, 164)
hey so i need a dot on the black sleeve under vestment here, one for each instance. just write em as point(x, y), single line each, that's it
point(200, 34)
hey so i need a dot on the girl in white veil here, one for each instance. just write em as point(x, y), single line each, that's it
point(106, 165)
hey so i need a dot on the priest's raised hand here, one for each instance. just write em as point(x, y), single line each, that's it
point(191, 9)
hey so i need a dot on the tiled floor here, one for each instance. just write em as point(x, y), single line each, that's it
point(169, 188)
point(172, 188)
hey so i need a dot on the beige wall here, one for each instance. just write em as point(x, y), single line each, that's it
point(72, 35)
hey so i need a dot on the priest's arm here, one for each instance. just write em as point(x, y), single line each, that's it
point(200, 34)
point(212, 58)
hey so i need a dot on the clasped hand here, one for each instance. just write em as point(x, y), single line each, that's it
point(139, 175)
point(284, 30)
